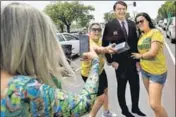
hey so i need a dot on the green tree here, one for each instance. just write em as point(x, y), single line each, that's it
point(67, 12)
point(127, 15)
point(109, 16)
point(84, 20)
point(60, 26)
point(168, 8)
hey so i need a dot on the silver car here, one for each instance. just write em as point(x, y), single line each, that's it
point(170, 31)
point(69, 39)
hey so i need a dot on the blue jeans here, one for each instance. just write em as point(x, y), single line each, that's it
point(161, 79)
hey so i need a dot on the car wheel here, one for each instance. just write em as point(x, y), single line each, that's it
point(170, 36)
point(167, 36)
point(173, 40)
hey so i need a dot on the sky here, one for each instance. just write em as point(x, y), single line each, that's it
point(101, 7)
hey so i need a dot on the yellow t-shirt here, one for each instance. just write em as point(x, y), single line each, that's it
point(155, 65)
point(86, 65)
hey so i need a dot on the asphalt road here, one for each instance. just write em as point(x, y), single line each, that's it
point(168, 92)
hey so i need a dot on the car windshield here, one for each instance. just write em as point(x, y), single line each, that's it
point(70, 37)
point(60, 38)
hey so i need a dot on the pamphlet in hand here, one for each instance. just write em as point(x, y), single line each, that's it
point(122, 47)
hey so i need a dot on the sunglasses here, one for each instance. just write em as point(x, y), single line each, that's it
point(96, 29)
point(140, 21)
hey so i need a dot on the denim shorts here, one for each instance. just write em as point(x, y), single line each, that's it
point(161, 79)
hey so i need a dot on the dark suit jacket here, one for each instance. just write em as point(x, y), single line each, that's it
point(113, 34)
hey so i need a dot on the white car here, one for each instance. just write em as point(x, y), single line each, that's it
point(160, 23)
point(164, 24)
point(170, 31)
point(68, 39)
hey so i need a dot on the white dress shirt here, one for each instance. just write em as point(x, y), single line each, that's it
point(125, 23)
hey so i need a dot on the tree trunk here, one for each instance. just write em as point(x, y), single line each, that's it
point(62, 28)
point(68, 28)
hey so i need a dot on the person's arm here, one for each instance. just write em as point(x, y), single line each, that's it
point(104, 50)
point(62, 103)
point(136, 44)
point(97, 49)
point(105, 42)
point(155, 47)
point(156, 43)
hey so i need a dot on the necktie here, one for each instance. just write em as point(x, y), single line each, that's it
point(123, 29)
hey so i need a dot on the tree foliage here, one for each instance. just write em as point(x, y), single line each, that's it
point(109, 16)
point(84, 20)
point(168, 8)
point(67, 12)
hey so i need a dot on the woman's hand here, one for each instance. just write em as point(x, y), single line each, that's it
point(110, 49)
point(136, 56)
point(138, 67)
point(89, 55)
point(115, 65)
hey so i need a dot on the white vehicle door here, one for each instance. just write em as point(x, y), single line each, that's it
point(74, 41)
point(62, 40)
point(172, 29)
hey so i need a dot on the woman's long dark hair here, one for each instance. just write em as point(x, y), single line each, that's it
point(147, 17)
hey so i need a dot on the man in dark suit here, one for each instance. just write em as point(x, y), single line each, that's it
point(116, 31)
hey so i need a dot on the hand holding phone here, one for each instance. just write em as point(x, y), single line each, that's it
point(89, 55)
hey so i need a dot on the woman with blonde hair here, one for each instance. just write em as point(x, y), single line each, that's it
point(31, 72)
point(95, 32)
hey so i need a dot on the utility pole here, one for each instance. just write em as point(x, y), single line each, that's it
point(134, 12)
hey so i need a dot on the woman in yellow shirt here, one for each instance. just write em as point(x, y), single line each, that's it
point(152, 61)
point(96, 42)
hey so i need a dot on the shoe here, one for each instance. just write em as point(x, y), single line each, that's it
point(137, 111)
point(109, 114)
point(127, 114)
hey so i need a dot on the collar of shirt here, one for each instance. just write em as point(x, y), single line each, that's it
point(126, 24)
point(120, 21)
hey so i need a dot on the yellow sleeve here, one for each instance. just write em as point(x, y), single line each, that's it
point(158, 36)
point(92, 43)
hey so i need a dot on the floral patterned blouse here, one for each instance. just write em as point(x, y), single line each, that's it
point(27, 97)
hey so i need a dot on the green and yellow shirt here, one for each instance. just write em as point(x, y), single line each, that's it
point(155, 65)
point(86, 65)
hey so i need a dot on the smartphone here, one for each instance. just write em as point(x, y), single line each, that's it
point(84, 44)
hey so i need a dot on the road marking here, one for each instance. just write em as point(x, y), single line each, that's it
point(170, 52)
point(77, 69)
point(167, 46)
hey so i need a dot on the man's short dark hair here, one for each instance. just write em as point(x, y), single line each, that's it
point(121, 3)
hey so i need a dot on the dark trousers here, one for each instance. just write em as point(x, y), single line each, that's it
point(124, 75)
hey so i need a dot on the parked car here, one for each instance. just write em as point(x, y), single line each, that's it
point(170, 31)
point(69, 39)
point(154, 22)
point(75, 33)
point(160, 23)
point(164, 24)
